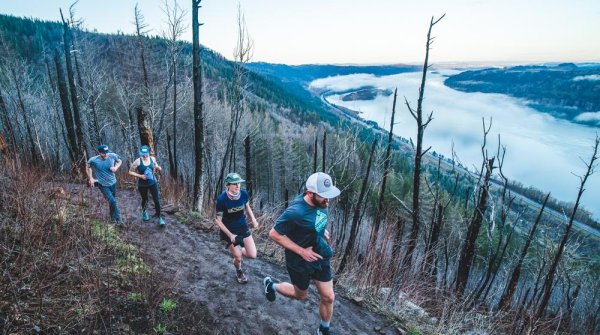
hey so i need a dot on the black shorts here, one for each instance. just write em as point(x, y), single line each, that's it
point(224, 237)
point(302, 278)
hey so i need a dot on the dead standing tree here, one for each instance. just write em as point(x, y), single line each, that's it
point(549, 281)
point(437, 218)
point(357, 214)
point(510, 288)
point(242, 54)
point(26, 118)
point(146, 136)
point(66, 108)
point(67, 44)
point(176, 28)
point(419, 152)
point(7, 126)
point(386, 171)
point(495, 258)
point(198, 115)
point(467, 253)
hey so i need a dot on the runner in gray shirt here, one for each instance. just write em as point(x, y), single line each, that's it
point(104, 165)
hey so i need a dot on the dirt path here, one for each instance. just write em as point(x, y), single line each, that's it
point(202, 271)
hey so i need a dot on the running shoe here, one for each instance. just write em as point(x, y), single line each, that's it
point(269, 290)
point(241, 276)
point(161, 222)
point(145, 216)
point(323, 331)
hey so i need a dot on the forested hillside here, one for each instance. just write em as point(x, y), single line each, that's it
point(566, 90)
point(449, 241)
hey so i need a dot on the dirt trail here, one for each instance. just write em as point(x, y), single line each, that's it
point(202, 271)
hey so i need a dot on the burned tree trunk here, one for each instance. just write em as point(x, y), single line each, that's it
point(66, 108)
point(467, 253)
point(357, 212)
point(419, 152)
point(315, 150)
point(81, 149)
point(509, 290)
point(386, 171)
point(248, 153)
point(324, 150)
point(30, 139)
point(198, 115)
point(8, 128)
point(146, 137)
point(172, 169)
point(549, 281)
point(242, 55)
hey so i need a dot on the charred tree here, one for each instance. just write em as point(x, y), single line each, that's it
point(140, 27)
point(145, 131)
point(172, 170)
point(509, 290)
point(437, 220)
point(419, 152)
point(495, 260)
point(175, 16)
point(324, 150)
point(242, 54)
point(549, 281)
point(81, 145)
point(21, 104)
point(386, 171)
point(467, 253)
point(66, 108)
point(7, 125)
point(198, 114)
point(315, 150)
point(248, 156)
point(357, 213)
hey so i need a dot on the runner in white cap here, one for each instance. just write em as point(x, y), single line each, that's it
point(301, 230)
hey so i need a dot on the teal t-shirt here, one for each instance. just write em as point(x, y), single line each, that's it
point(304, 225)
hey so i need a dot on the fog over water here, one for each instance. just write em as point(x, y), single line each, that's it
point(542, 151)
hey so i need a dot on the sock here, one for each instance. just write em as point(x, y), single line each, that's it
point(273, 286)
point(324, 324)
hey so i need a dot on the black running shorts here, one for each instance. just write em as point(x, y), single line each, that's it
point(302, 278)
point(225, 238)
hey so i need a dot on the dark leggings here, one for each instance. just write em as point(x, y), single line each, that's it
point(155, 196)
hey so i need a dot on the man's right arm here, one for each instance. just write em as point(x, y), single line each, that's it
point(306, 253)
point(88, 171)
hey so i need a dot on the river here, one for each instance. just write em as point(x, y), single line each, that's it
point(541, 150)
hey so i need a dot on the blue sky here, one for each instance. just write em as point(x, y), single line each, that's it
point(361, 32)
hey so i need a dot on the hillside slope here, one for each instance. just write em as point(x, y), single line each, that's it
point(200, 269)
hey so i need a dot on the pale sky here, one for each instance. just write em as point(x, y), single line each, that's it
point(365, 32)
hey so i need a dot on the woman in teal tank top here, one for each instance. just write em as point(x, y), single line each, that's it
point(144, 168)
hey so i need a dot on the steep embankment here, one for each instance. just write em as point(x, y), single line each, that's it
point(199, 268)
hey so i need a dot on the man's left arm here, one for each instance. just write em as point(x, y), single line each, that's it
point(117, 165)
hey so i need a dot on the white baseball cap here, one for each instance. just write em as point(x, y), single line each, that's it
point(321, 184)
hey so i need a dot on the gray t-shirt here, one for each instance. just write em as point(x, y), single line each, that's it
point(305, 226)
point(102, 168)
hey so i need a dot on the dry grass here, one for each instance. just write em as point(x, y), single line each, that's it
point(64, 272)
